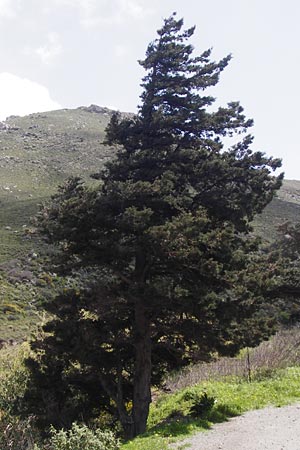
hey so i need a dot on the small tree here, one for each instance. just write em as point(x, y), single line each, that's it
point(166, 231)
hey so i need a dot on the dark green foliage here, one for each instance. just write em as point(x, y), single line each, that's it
point(65, 384)
point(165, 235)
point(202, 405)
point(284, 292)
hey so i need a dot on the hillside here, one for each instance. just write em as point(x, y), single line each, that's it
point(38, 152)
point(284, 207)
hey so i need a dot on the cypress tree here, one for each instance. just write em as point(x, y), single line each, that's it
point(166, 232)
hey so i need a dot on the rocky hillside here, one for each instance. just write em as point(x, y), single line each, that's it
point(38, 152)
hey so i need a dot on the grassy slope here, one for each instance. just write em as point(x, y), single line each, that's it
point(273, 368)
point(38, 152)
point(169, 419)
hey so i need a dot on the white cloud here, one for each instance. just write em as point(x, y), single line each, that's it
point(134, 8)
point(20, 96)
point(121, 51)
point(7, 8)
point(49, 52)
point(97, 12)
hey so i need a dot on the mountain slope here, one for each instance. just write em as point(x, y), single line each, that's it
point(37, 153)
point(285, 207)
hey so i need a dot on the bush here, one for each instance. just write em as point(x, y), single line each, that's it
point(80, 437)
point(16, 434)
point(202, 405)
point(13, 378)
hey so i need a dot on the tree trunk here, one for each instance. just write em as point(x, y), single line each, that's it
point(142, 376)
point(117, 395)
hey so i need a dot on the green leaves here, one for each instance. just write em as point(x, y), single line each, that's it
point(80, 437)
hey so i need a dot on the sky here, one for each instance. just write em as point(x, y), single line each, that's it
point(69, 53)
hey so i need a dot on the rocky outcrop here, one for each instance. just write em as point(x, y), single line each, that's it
point(96, 109)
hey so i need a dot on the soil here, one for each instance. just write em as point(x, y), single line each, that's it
point(265, 429)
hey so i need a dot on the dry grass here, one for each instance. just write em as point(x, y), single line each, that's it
point(282, 350)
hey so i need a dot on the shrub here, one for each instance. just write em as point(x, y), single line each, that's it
point(202, 405)
point(13, 378)
point(80, 437)
point(16, 434)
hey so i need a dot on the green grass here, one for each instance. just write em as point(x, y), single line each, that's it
point(169, 420)
point(18, 312)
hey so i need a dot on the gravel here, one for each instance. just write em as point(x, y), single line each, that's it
point(265, 429)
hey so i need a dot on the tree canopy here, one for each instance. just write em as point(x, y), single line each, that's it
point(171, 273)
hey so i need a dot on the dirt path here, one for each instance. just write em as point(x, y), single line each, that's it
point(265, 429)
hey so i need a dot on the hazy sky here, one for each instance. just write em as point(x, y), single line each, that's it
point(68, 53)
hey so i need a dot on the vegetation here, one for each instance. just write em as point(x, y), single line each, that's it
point(15, 433)
point(171, 274)
point(170, 415)
point(283, 255)
point(275, 366)
point(169, 419)
point(157, 266)
point(40, 151)
point(80, 437)
point(279, 352)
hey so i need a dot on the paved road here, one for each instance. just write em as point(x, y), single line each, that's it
point(265, 429)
